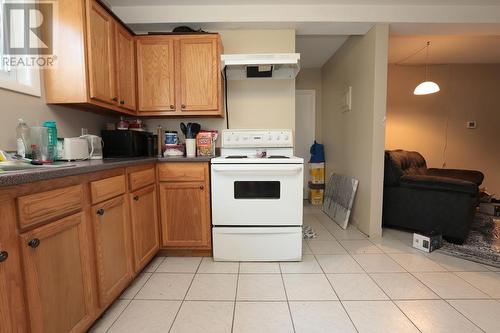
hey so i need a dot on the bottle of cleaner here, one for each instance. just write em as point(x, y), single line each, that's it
point(52, 135)
point(23, 139)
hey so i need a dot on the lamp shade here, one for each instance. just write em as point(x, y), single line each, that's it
point(426, 88)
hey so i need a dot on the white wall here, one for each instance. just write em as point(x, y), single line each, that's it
point(468, 92)
point(34, 111)
point(354, 141)
point(252, 103)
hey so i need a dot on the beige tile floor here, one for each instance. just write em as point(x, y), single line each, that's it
point(345, 283)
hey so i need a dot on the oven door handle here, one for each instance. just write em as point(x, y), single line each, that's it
point(267, 169)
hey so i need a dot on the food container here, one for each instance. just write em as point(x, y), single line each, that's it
point(40, 143)
point(171, 138)
point(205, 143)
point(317, 173)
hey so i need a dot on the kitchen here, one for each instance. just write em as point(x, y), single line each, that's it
point(102, 221)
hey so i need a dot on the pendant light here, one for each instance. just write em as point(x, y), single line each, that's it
point(427, 87)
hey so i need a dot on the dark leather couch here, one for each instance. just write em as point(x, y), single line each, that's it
point(428, 199)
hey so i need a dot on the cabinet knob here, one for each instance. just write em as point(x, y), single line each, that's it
point(115, 99)
point(100, 211)
point(122, 102)
point(3, 255)
point(172, 106)
point(202, 187)
point(183, 106)
point(34, 243)
point(136, 198)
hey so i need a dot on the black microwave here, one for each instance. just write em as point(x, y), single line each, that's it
point(128, 143)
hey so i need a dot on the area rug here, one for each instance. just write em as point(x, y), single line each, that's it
point(483, 243)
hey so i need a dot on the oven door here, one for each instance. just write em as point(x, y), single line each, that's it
point(257, 194)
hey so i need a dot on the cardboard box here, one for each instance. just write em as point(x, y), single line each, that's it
point(317, 173)
point(490, 208)
point(427, 242)
point(316, 196)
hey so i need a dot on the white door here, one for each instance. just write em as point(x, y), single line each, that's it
point(305, 128)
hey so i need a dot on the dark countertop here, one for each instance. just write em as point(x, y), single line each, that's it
point(80, 167)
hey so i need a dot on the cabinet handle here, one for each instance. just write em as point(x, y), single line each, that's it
point(115, 99)
point(172, 106)
point(100, 211)
point(3, 255)
point(202, 187)
point(34, 243)
point(136, 198)
point(183, 106)
point(122, 102)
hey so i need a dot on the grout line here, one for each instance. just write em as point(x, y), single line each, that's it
point(286, 297)
point(187, 290)
point(235, 296)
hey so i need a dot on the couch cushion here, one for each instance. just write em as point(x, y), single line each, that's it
point(401, 162)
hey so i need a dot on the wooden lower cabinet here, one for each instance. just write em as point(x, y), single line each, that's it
point(185, 209)
point(58, 276)
point(112, 247)
point(144, 220)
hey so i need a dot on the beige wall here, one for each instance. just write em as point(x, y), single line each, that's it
point(256, 103)
point(468, 92)
point(354, 141)
point(310, 79)
point(34, 111)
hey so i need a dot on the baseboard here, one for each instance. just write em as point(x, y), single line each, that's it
point(185, 252)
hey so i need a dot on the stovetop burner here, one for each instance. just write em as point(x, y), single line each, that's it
point(278, 156)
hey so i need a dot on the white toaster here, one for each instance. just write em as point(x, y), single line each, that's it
point(74, 149)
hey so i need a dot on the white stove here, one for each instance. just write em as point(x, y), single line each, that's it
point(257, 193)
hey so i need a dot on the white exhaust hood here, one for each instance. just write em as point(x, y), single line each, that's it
point(261, 66)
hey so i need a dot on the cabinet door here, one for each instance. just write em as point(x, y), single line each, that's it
point(100, 44)
point(112, 242)
point(125, 68)
point(199, 74)
point(58, 276)
point(155, 74)
point(185, 215)
point(144, 218)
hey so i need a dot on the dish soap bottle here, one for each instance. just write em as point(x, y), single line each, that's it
point(23, 139)
point(52, 135)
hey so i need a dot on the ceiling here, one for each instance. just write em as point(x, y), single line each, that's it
point(300, 2)
point(445, 49)
point(316, 50)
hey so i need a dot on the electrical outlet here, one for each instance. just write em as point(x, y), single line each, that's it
point(85, 131)
point(471, 124)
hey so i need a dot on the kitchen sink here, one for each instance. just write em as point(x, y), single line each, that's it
point(15, 166)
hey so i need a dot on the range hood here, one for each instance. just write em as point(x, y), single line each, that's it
point(261, 66)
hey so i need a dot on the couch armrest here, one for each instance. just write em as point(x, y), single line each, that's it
point(473, 176)
point(435, 183)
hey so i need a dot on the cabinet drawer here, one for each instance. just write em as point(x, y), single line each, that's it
point(184, 171)
point(40, 207)
point(141, 178)
point(107, 188)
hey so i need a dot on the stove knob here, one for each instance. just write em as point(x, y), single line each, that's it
point(286, 138)
point(228, 138)
point(237, 138)
point(270, 137)
point(278, 137)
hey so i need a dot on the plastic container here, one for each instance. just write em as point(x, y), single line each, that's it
point(40, 143)
point(23, 139)
point(52, 139)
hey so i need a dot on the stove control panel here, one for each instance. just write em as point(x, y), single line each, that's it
point(256, 138)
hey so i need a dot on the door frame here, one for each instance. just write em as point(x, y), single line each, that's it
point(310, 92)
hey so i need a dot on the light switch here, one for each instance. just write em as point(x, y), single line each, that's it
point(471, 124)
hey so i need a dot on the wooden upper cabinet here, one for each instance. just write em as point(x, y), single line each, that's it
point(199, 74)
point(101, 54)
point(155, 74)
point(58, 276)
point(125, 68)
point(112, 248)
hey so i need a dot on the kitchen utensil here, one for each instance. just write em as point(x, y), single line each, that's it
point(190, 130)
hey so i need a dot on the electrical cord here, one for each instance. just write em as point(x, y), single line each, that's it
point(225, 97)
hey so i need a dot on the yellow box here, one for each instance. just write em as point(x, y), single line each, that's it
point(317, 173)
point(316, 196)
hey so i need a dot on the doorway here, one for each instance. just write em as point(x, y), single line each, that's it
point(305, 128)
